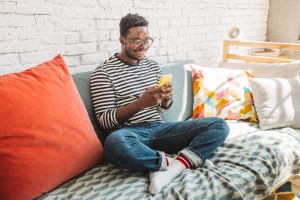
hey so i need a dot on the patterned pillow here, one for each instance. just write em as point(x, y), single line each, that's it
point(224, 93)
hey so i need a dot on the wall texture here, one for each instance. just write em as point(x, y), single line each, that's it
point(284, 21)
point(86, 32)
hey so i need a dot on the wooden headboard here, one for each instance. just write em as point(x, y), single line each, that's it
point(257, 59)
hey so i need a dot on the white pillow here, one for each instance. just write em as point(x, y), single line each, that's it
point(282, 70)
point(277, 102)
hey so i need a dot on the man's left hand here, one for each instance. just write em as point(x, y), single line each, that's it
point(166, 95)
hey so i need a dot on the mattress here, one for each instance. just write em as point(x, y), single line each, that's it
point(249, 165)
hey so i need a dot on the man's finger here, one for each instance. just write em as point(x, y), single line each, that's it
point(167, 96)
point(156, 90)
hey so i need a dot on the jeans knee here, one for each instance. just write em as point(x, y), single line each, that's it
point(111, 141)
point(116, 145)
point(222, 125)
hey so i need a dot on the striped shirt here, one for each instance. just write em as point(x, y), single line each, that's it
point(115, 84)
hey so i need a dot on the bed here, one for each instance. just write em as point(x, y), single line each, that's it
point(251, 164)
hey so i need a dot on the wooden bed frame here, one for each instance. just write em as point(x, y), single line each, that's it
point(257, 59)
point(227, 56)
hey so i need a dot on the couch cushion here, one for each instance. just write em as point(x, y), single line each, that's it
point(46, 136)
point(82, 82)
point(277, 102)
point(225, 93)
point(182, 107)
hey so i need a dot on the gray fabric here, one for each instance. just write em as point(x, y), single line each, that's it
point(183, 94)
point(182, 107)
point(245, 167)
point(82, 82)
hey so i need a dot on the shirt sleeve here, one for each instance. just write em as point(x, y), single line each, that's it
point(103, 99)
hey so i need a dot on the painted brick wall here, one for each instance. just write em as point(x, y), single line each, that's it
point(86, 32)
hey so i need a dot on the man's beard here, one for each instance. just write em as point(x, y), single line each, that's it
point(129, 55)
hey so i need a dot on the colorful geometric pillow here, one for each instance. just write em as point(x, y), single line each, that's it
point(224, 93)
point(46, 136)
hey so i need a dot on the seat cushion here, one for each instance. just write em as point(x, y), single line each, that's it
point(82, 82)
point(182, 107)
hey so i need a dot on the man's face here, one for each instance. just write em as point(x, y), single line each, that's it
point(137, 42)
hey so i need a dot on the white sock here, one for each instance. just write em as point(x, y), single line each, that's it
point(169, 160)
point(160, 179)
point(156, 173)
point(208, 163)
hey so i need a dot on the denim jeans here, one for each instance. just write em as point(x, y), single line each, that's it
point(138, 146)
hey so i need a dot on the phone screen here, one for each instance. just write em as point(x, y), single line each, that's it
point(164, 79)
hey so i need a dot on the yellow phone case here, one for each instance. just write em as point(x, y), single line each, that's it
point(164, 79)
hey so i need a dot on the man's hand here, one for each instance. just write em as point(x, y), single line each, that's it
point(151, 97)
point(166, 95)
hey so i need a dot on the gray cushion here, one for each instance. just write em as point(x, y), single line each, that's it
point(182, 107)
point(82, 82)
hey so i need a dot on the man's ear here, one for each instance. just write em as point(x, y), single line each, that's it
point(122, 40)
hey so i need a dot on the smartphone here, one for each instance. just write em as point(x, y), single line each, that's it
point(164, 79)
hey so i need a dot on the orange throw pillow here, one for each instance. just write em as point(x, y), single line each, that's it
point(46, 136)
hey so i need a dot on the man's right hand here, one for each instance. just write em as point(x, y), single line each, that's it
point(151, 97)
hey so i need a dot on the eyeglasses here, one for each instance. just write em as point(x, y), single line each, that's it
point(137, 42)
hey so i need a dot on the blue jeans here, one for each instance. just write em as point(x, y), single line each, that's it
point(138, 146)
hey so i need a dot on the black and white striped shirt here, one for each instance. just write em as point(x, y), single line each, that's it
point(115, 84)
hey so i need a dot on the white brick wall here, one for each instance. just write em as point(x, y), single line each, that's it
point(86, 32)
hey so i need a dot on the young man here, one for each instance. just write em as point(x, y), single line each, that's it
point(128, 104)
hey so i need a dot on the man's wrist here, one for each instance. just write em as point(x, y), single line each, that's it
point(138, 105)
point(165, 104)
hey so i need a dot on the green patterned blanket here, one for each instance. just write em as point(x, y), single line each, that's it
point(248, 166)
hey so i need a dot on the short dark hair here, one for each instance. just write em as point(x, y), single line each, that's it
point(129, 21)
